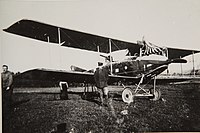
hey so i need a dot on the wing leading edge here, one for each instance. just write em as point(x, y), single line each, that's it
point(68, 76)
point(76, 39)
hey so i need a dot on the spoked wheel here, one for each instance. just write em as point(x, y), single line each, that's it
point(156, 95)
point(127, 95)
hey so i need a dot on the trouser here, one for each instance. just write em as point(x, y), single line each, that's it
point(7, 97)
point(6, 108)
point(103, 94)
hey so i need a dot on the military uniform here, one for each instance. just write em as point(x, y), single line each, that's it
point(101, 78)
point(7, 81)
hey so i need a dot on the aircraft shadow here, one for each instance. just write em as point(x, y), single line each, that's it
point(91, 96)
point(117, 97)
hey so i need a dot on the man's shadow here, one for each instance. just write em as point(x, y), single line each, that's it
point(95, 97)
point(91, 97)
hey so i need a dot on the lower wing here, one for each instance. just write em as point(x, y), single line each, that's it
point(56, 76)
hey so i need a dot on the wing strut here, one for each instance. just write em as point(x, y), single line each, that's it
point(59, 38)
point(59, 41)
point(181, 64)
point(193, 63)
point(110, 50)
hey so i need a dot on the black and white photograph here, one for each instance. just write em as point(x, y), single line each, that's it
point(97, 66)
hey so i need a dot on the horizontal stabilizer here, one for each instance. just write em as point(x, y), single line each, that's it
point(78, 69)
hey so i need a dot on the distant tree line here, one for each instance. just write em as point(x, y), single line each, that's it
point(22, 81)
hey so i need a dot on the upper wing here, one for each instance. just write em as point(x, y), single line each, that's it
point(71, 38)
point(177, 53)
point(77, 39)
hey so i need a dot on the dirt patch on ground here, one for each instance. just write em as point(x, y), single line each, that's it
point(38, 113)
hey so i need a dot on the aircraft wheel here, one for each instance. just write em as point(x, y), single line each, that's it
point(156, 95)
point(127, 95)
point(84, 96)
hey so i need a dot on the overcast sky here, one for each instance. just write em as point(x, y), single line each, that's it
point(174, 23)
point(171, 23)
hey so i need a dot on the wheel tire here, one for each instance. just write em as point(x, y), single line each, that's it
point(127, 95)
point(84, 97)
point(156, 95)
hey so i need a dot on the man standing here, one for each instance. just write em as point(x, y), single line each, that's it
point(7, 87)
point(7, 90)
point(101, 78)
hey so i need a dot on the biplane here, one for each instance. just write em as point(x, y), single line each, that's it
point(128, 63)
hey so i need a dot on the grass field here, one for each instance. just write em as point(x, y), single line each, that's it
point(39, 110)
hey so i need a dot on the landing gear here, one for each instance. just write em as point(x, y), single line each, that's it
point(89, 92)
point(129, 93)
point(156, 95)
point(64, 90)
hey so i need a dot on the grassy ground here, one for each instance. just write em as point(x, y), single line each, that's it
point(42, 112)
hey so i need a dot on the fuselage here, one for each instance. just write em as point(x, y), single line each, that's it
point(134, 67)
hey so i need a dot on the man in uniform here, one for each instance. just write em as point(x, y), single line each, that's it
point(7, 86)
point(7, 90)
point(101, 78)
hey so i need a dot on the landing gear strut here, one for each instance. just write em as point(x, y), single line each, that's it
point(129, 93)
point(64, 90)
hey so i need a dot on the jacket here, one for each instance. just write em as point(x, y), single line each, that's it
point(101, 77)
point(6, 79)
